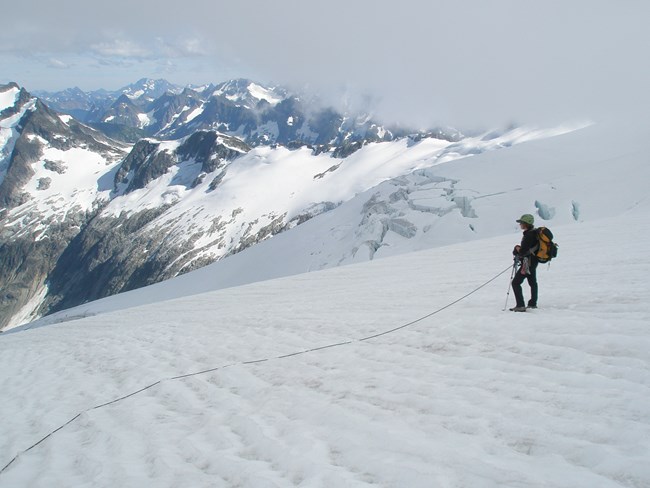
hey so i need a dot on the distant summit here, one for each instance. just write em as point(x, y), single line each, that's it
point(149, 89)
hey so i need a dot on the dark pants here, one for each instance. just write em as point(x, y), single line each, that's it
point(532, 281)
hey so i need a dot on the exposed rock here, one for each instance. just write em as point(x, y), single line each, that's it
point(143, 164)
point(55, 166)
point(103, 259)
point(21, 100)
point(37, 126)
point(312, 211)
point(331, 169)
point(276, 226)
point(44, 183)
point(26, 263)
point(123, 112)
point(211, 149)
point(216, 180)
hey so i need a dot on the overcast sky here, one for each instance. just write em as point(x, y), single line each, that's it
point(459, 62)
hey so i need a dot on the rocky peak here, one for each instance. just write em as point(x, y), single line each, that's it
point(21, 97)
point(210, 149)
point(149, 89)
point(149, 159)
point(39, 127)
point(143, 164)
point(249, 94)
point(172, 108)
point(123, 111)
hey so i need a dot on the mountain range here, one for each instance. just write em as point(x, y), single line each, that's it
point(105, 192)
point(257, 114)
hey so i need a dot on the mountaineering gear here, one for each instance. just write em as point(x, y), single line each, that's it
point(546, 248)
point(518, 309)
point(526, 219)
point(512, 275)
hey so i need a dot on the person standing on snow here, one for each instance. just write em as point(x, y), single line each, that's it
point(525, 255)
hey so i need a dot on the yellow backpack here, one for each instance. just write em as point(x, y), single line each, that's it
point(546, 248)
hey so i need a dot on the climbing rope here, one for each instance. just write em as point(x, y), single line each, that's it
point(256, 361)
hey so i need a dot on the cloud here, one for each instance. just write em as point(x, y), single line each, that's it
point(120, 48)
point(185, 47)
point(467, 62)
point(57, 64)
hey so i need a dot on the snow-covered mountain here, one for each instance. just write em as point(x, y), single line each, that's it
point(401, 371)
point(122, 221)
point(249, 94)
point(82, 105)
point(148, 89)
point(260, 115)
point(92, 106)
point(54, 176)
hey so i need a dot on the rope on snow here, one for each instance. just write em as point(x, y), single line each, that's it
point(284, 356)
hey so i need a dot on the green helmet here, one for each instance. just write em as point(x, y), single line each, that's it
point(526, 219)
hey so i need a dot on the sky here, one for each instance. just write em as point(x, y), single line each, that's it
point(460, 63)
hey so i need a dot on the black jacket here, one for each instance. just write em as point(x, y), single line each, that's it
point(528, 244)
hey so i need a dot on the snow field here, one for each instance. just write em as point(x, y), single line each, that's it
point(8, 98)
point(472, 396)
